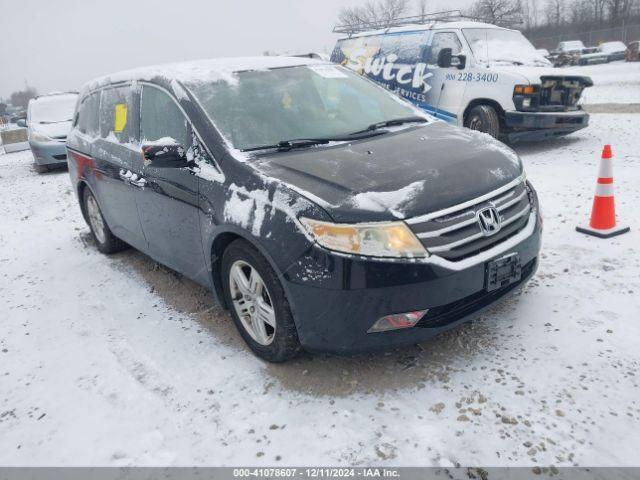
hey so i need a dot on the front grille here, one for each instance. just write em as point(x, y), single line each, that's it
point(561, 93)
point(451, 312)
point(455, 233)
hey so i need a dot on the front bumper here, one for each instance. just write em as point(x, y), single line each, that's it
point(48, 153)
point(541, 125)
point(335, 317)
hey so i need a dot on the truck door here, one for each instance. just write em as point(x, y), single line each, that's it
point(447, 83)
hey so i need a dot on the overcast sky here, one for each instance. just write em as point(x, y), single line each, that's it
point(60, 44)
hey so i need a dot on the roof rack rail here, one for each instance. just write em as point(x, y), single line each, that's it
point(428, 18)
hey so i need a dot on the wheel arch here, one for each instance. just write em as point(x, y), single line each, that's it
point(219, 244)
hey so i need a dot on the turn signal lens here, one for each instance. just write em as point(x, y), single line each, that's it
point(524, 90)
point(392, 239)
point(397, 321)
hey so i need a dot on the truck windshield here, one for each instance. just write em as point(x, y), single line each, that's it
point(322, 101)
point(53, 109)
point(507, 47)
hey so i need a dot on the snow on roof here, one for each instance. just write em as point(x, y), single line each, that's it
point(208, 70)
point(428, 26)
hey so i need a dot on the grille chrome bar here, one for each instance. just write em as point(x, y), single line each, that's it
point(469, 203)
point(476, 236)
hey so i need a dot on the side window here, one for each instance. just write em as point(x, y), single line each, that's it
point(88, 115)
point(161, 117)
point(118, 114)
point(443, 40)
point(406, 46)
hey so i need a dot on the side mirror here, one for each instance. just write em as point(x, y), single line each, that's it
point(444, 58)
point(170, 155)
point(22, 123)
point(459, 61)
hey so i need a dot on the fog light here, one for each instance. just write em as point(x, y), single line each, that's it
point(397, 321)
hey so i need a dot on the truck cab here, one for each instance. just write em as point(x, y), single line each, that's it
point(472, 74)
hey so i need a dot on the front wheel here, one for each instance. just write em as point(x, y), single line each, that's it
point(484, 118)
point(258, 303)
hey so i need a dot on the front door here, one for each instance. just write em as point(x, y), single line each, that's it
point(168, 201)
point(447, 84)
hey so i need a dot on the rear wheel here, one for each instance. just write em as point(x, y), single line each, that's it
point(105, 240)
point(258, 303)
point(483, 118)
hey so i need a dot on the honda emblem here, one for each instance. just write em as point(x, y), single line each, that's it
point(489, 221)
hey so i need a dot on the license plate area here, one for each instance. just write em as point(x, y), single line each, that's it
point(503, 271)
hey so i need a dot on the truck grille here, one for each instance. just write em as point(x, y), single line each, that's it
point(455, 233)
point(562, 93)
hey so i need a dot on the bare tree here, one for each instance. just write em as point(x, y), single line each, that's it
point(422, 9)
point(380, 13)
point(21, 97)
point(496, 11)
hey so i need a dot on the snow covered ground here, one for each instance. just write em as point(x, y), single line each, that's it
point(116, 361)
point(616, 82)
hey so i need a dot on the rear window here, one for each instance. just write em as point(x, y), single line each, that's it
point(88, 115)
point(117, 115)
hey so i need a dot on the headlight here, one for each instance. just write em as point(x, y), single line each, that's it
point(389, 239)
point(39, 137)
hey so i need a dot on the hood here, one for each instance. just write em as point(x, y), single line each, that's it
point(396, 175)
point(52, 130)
point(533, 74)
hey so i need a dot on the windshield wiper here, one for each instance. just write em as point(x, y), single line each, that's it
point(391, 123)
point(286, 145)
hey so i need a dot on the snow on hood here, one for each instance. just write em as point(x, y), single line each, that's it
point(533, 74)
point(52, 130)
point(396, 175)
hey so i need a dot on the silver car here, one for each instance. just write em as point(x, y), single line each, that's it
point(49, 120)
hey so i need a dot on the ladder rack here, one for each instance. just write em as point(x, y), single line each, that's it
point(428, 18)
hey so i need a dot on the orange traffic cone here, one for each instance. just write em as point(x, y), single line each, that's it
point(603, 213)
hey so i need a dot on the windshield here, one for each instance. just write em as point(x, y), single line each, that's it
point(53, 109)
point(266, 107)
point(496, 46)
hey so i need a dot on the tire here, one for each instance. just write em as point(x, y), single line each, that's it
point(105, 240)
point(262, 314)
point(40, 168)
point(484, 119)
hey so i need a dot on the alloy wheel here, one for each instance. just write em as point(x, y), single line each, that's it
point(252, 302)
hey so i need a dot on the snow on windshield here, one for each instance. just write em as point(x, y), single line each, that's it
point(53, 109)
point(492, 45)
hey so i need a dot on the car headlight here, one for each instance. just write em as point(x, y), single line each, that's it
point(39, 137)
point(388, 239)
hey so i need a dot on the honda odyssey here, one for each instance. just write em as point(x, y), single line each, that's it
point(323, 211)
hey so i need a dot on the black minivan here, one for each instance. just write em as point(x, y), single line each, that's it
point(324, 212)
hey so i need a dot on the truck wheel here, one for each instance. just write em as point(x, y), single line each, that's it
point(258, 303)
point(484, 119)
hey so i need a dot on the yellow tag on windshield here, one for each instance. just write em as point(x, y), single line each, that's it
point(120, 117)
point(287, 100)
